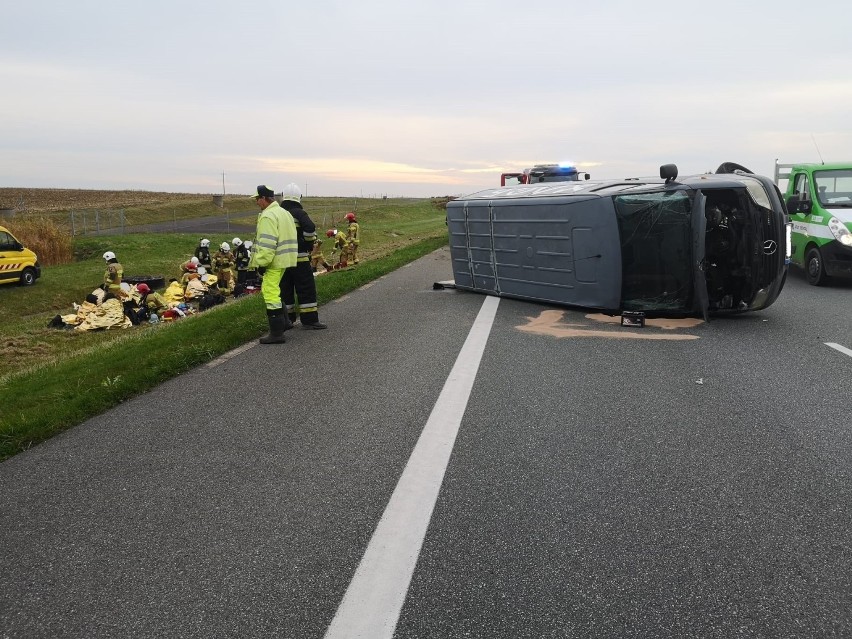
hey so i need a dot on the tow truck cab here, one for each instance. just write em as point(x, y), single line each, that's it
point(17, 263)
point(819, 201)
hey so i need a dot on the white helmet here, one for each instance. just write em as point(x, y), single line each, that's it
point(109, 255)
point(292, 192)
point(236, 241)
point(194, 260)
point(225, 246)
point(249, 244)
point(202, 270)
point(205, 242)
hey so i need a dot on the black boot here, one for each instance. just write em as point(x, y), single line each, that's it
point(277, 321)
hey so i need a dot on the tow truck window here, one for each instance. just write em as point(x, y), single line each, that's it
point(834, 187)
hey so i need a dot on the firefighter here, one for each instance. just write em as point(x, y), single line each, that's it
point(223, 263)
point(340, 247)
point(112, 276)
point(241, 260)
point(202, 252)
point(154, 302)
point(318, 258)
point(298, 281)
point(190, 273)
point(352, 235)
point(276, 249)
point(184, 267)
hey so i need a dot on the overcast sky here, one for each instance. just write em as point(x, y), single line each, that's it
point(412, 98)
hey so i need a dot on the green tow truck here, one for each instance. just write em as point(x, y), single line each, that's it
point(819, 201)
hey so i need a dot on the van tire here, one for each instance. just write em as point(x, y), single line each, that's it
point(28, 277)
point(815, 267)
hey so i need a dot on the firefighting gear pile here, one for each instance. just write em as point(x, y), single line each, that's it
point(102, 310)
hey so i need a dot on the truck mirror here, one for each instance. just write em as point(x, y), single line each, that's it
point(795, 204)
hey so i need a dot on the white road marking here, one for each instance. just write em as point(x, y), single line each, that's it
point(840, 348)
point(224, 358)
point(374, 599)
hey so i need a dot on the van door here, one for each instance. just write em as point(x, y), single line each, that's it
point(699, 234)
point(471, 247)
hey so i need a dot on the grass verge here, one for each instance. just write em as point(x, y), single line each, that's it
point(56, 396)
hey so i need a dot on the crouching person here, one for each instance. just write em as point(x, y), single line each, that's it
point(275, 249)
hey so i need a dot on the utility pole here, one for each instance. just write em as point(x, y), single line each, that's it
point(223, 183)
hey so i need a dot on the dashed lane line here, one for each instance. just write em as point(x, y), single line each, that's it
point(840, 348)
point(374, 599)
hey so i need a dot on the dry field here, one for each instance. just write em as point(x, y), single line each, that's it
point(53, 200)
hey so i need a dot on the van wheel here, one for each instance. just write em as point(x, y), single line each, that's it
point(28, 277)
point(814, 268)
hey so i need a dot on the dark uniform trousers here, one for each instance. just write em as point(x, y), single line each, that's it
point(298, 282)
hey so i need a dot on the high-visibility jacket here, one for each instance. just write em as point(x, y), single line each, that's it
point(277, 243)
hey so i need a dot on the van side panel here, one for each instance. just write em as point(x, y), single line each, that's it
point(561, 250)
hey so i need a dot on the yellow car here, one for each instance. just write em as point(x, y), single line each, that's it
point(17, 264)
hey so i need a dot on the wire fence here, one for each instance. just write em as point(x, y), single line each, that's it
point(118, 221)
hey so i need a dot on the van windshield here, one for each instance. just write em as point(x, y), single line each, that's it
point(656, 250)
point(834, 188)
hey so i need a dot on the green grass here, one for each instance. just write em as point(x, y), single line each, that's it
point(52, 379)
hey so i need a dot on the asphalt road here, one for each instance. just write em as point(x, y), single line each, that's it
point(598, 481)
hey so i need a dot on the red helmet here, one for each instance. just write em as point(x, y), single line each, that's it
point(329, 233)
point(143, 288)
point(350, 216)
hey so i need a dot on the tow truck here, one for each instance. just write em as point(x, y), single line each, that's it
point(544, 173)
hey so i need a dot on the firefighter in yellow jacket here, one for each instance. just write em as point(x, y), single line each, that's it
point(112, 276)
point(223, 267)
point(352, 234)
point(275, 249)
point(317, 258)
point(340, 247)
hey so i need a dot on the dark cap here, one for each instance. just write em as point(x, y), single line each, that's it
point(263, 191)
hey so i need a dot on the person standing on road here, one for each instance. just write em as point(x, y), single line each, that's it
point(299, 280)
point(275, 249)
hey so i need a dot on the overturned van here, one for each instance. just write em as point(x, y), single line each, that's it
point(706, 244)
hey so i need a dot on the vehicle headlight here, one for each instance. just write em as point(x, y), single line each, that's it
point(838, 230)
point(788, 236)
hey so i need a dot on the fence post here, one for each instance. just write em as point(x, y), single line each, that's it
point(73, 233)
